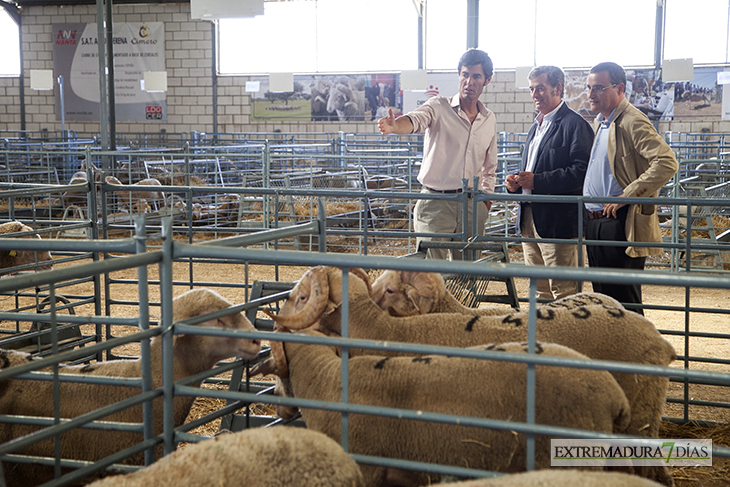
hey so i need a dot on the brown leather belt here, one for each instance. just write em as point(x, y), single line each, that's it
point(595, 215)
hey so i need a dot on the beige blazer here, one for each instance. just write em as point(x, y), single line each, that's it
point(642, 163)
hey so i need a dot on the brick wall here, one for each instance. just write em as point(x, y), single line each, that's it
point(188, 59)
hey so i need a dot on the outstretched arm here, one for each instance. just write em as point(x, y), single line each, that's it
point(391, 125)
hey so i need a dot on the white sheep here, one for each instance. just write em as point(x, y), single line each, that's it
point(262, 457)
point(601, 332)
point(78, 197)
point(559, 478)
point(575, 398)
point(408, 293)
point(192, 355)
point(15, 258)
point(137, 199)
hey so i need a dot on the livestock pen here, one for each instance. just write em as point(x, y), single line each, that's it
point(171, 250)
point(192, 253)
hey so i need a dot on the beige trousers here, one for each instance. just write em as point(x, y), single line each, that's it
point(547, 254)
point(439, 216)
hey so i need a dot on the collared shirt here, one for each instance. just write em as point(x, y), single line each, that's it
point(453, 147)
point(599, 180)
point(543, 123)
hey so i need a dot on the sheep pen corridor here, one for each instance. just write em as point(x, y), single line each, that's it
point(708, 298)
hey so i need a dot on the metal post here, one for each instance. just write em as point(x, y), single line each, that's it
point(110, 77)
point(340, 145)
point(472, 23)
point(659, 35)
point(18, 20)
point(63, 108)
point(344, 373)
point(168, 378)
point(56, 384)
point(144, 324)
point(531, 378)
point(103, 122)
point(421, 10)
point(214, 77)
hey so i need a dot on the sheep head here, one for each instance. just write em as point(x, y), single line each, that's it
point(405, 293)
point(277, 364)
point(14, 258)
point(315, 298)
point(197, 302)
point(112, 180)
point(94, 170)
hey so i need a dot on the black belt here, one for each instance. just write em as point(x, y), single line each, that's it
point(446, 191)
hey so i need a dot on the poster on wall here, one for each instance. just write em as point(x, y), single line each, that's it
point(701, 97)
point(138, 47)
point(343, 98)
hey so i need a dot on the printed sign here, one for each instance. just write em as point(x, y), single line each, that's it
point(138, 47)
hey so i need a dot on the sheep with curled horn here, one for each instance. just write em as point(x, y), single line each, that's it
point(408, 293)
point(18, 257)
point(573, 398)
point(598, 331)
point(192, 355)
point(261, 457)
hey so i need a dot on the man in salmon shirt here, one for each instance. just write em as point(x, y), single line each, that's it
point(460, 142)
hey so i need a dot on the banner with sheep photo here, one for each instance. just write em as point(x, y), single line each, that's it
point(343, 97)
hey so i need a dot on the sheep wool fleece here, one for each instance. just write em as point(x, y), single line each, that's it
point(262, 457)
point(559, 478)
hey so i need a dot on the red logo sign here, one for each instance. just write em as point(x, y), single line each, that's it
point(153, 112)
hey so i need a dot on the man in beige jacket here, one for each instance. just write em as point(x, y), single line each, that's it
point(628, 159)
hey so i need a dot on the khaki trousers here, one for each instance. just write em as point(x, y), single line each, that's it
point(547, 254)
point(440, 216)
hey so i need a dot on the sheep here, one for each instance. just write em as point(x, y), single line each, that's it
point(135, 199)
point(347, 100)
point(559, 478)
point(599, 331)
point(193, 354)
point(576, 398)
point(263, 457)
point(407, 293)
point(15, 258)
point(226, 209)
point(320, 92)
point(78, 198)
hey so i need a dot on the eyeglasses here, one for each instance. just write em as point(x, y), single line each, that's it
point(598, 89)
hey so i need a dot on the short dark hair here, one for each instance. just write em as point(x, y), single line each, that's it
point(555, 76)
point(616, 73)
point(472, 57)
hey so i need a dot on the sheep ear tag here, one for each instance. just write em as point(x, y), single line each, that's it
point(13, 253)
